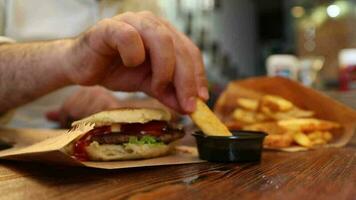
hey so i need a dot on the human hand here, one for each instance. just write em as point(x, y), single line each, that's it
point(84, 102)
point(139, 52)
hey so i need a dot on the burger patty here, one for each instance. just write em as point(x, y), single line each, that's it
point(120, 138)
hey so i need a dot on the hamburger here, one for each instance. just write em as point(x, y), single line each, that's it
point(125, 134)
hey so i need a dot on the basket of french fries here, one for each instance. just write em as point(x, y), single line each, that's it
point(294, 117)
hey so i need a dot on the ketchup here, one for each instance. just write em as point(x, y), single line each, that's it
point(79, 146)
point(153, 128)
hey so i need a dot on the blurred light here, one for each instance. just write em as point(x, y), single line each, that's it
point(333, 11)
point(319, 16)
point(297, 11)
point(208, 4)
point(345, 7)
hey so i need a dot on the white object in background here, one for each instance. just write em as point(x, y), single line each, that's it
point(347, 73)
point(283, 65)
point(347, 57)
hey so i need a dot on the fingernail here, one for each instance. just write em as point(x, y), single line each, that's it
point(203, 93)
point(190, 104)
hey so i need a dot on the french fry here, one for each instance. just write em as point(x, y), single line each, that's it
point(244, 116)
point(207, 121)
point(291, 114)
point(317, 138)
point(315, 135)
point(300, 113)
point(327, 136)
point(278, 141)
point(308, 124)
point(319, 141)
point(248, 104)
point(234, 125)
point(268, 127)
point(275, 104)
point(260, 117)
point(301, 139)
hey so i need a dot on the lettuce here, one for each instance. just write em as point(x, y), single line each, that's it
point(144, 140)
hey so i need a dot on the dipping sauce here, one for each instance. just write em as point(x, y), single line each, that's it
point(243, 146)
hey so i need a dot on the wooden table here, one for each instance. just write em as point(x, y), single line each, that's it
point(320, 174)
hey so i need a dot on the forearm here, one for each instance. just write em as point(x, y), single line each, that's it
point(30, 70)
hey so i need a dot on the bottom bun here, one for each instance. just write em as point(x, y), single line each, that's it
point(110, 152)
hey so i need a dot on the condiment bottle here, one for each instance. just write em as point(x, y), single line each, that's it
point(283, 65)
point(347, 70)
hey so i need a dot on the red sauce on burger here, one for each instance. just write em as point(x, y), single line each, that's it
point(152, 128)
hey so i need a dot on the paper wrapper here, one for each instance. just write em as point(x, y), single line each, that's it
point(46, 146)
point(305, 98)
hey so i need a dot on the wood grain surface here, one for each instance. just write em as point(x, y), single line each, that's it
point(320, 174)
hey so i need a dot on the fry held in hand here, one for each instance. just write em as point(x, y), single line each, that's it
point(207, 121)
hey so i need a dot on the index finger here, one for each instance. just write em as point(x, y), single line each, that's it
point(158, 42)
point(199, 69)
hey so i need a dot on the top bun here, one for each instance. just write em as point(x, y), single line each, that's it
point(125, 115)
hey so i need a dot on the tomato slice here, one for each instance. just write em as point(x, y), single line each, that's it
point(154, 128)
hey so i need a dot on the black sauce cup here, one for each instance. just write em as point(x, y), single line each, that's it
point(242, 146)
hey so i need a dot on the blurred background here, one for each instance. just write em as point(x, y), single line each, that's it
point(300, 39)
point(309, 41)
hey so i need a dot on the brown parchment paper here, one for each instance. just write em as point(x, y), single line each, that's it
point(46, 146)
point(306, 98)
